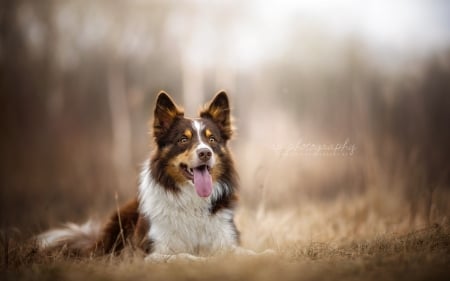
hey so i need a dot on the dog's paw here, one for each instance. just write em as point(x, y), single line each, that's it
point(247, 252)
point(183, 257)
point(157, 258)
point(268, 252)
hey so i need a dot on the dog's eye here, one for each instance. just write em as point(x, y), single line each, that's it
point(183, 139)
point(212, 139)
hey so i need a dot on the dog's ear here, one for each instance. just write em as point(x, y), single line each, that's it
point(166, 112)
point(218, 111)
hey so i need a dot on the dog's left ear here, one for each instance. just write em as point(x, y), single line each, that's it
point(218, 111)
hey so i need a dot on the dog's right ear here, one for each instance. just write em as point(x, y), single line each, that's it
point(166, 112)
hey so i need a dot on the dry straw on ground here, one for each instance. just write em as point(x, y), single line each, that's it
point(331, 244)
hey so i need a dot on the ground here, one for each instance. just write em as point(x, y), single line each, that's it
point(366, 247)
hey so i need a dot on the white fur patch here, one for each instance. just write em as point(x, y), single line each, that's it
point(76, 236)
point(182, 223)
point(198, 127)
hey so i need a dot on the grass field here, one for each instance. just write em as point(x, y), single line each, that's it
point(329, 245)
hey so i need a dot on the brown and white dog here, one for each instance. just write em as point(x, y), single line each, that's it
point(187, 192)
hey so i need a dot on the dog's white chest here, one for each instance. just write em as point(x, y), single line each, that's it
point(177, 231)
point(183, 223)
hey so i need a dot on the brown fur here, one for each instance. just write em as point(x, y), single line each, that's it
point(126, 226)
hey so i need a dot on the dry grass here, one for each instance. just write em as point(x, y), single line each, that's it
point(332, 244)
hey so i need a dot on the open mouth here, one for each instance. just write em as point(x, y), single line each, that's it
point(189, 172)
point(201, 177)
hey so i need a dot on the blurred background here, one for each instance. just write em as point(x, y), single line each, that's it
point(339, 105)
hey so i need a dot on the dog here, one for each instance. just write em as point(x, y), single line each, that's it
point(186, 197)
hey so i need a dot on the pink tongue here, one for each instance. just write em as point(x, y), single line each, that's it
point(202, 182)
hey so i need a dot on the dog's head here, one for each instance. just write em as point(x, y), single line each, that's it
point(192, 150)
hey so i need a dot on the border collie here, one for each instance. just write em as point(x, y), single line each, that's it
point(187, 193)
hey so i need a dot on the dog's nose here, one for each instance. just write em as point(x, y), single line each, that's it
point(204, 154)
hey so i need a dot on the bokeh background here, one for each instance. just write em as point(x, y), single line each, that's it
point(342, 108)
